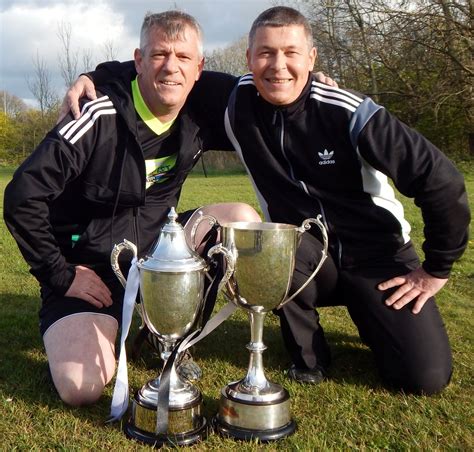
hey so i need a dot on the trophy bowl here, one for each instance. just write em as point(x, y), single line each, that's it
point(264, 260)
point(168, 409)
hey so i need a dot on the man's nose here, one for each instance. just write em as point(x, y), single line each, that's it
point(171, 63)
point(279, 61)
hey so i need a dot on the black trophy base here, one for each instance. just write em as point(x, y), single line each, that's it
point(243, 434)
point(175, 439)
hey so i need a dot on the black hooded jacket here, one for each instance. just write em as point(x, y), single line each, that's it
point(86, 179)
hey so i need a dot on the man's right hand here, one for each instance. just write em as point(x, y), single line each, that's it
point(82, 87)
point(89, 287)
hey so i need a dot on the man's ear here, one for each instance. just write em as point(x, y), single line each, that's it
point(313, 54)
point(137, 56)
point(247, 55)
point(200, 68)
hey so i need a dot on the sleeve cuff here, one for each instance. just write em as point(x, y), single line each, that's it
point(441, 272)
point(61, 281)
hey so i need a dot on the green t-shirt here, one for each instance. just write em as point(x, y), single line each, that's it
point(159, 143)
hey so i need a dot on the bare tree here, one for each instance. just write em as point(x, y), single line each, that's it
point(230, 59)
point(87, 60)
point(11, 105)
point(345, 33)
point(68, 58)
point(110, 51)
point(40, 86)
point(428, 47)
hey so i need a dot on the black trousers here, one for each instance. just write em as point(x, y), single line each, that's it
point(411, 351)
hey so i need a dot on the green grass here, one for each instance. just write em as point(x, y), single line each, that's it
point(351, 410)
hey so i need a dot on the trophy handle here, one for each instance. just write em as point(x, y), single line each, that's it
point(114, 255)
point(230, 261)
point(305, 226)
point(212, 221)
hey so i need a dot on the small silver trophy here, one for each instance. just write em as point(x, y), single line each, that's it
point(171, 282)
point(264, 261)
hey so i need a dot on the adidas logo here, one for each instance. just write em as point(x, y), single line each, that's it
point(326, 157)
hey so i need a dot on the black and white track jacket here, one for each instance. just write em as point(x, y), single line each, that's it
point(87, 179)
point(332, 152)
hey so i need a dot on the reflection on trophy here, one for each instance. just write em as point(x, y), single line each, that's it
point(264, 260)
point(172, 297)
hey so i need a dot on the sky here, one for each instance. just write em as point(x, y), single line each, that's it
point(29, 29)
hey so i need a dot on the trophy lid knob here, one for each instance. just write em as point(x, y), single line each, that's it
point(172, 252)
point(172, 216)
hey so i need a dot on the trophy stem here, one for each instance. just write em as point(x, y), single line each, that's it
point(255, 381)
point(166, 350)
point(177, 384)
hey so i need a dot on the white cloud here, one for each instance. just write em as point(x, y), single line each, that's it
point(30, 30)
point(30, 26)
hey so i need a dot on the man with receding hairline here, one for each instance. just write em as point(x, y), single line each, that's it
point(111, 174)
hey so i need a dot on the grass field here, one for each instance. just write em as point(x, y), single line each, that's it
point(351, 410)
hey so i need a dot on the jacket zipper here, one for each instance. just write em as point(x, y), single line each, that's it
point(303, 185)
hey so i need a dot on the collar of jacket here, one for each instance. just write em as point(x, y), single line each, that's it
point(120, 92)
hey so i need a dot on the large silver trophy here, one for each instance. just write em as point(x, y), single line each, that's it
point(264, 260)
point(171, 282)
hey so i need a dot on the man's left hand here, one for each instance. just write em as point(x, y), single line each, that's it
point(417, 285)
point(322, 78)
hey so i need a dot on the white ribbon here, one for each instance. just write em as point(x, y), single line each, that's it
point(210, 326)
point(120, 398)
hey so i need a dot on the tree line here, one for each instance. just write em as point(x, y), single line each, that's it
point(413, 56)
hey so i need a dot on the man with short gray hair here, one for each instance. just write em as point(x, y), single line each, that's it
point(111, 174)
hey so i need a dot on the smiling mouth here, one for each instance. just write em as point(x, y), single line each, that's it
point(168, 83)
point(279, 81)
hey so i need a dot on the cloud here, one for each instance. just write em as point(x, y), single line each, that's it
point(31, 26)
point(31, 29)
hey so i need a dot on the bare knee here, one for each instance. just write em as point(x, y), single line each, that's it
point(229, 212)
point(81, 356)
point(74, 394)
point(234, 211)
point(243, 212)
